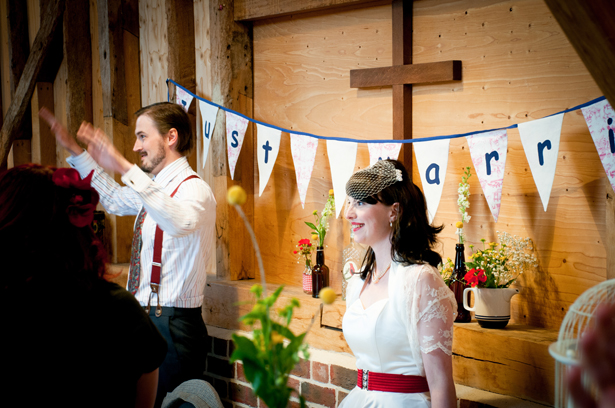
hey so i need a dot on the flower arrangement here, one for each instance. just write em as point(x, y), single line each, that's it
point(446, 270)
point(499, 267)
point(463, 195)
point(305, 250)
point(273, 350)
point(322, 225)
point(464, 203)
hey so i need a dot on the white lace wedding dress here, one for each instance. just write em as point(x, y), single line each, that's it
point(390, 335)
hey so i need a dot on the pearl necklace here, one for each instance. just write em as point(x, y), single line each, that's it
point(376, 278)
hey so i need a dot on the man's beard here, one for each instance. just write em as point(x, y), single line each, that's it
point(155, 160)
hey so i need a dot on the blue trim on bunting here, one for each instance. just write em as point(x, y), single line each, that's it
point(342, 139)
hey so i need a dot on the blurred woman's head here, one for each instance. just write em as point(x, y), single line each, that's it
point(45, 232)
point(399, 209)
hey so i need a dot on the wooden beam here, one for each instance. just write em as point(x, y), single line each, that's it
point(19, 49)
point(406, 74)
point(43, 140)
point(589, 28)
point(250, 10)
point(231, 72)
point(402, 94)
point(119, 64)
point(78, 51)
point(182, 60)
point(54, 57)
point(19, 104)
point(111, 50)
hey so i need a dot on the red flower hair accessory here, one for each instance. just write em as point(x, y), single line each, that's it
point(82, 198)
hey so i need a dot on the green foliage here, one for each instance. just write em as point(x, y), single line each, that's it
point(273, 351)
point(322, 225)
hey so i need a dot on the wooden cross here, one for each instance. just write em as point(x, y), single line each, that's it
point(402, 74)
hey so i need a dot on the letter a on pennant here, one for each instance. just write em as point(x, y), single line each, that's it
point(209, 113)
point(235, 131)
point(432, 161)
point(490, 146)
point(600, 121)
point(267, 148)
point(540, 139)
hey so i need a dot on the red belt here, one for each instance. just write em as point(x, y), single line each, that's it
point(371, 381)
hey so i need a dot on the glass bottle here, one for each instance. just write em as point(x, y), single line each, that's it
point(353, 257)
point(320, 273)
point(458, 285)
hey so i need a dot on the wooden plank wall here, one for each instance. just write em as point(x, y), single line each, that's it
point(517, 66)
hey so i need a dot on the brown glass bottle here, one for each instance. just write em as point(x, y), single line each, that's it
point(463, 315)
point(320, 273)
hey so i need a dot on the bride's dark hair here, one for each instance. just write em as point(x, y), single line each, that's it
point(413, 237)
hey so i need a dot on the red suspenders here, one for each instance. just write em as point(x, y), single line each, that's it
point(156, 262)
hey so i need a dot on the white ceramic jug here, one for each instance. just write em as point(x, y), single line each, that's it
point(491, 306)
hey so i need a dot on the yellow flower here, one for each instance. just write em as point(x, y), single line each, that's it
point(276, 337)
point(459, 224)
point(314, 237)
point(236, 196)
point(331, 192)
point(327, 295)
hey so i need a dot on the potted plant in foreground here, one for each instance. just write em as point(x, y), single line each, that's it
point(271, 350)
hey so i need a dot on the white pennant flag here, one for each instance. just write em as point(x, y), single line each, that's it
point(267, 147)
point(209, 113)
point(235, 131)
point(303, 149)
point(432, 161)
point(183, 98)
point(383, 151)
point(488, 151)
point(540, 139)
point(600, 119)
point(342, 157)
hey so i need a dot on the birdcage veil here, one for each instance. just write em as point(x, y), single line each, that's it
point(372, 180)
point(565, 351)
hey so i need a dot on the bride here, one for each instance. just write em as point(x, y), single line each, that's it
point(399, 316)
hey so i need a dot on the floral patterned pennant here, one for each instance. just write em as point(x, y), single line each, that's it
point(540, 139)
point(235, 131)
point(383, 151)
point(303, 149)
point(342, 157)
point(488, 151)
point(209, 113)
point(600, 119)
point(432, 161)
point(183, 98)
point(267, 149)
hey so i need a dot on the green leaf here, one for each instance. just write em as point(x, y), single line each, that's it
point(312, 226)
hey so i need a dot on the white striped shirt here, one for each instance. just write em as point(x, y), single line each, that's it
point(188, 221)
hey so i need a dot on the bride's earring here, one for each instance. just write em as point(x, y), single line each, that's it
point(391, 224)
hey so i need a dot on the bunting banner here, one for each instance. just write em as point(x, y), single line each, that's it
point(488, 152)
point(209, 113)
point(267, 149)
point(432, 161)
point(540, 140)
point(342, 157)
point(599, 118)
point(303, 149)
point(235, 131)
point(183, 98)
point(383, 151)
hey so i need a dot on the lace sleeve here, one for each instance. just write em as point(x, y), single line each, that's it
point(437, 309)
